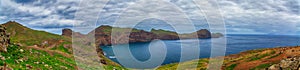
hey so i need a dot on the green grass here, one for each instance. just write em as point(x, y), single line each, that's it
point(108, 29)
point(44, 59)
point(17, 59)
point(110, 67)
point(231, 67)
point(62, 48)
point(27, 36)
point(163, 32)
point(186, 65)
point(260, 56)
point(263, 66)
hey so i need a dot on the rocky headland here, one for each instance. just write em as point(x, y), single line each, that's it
point(103, 35)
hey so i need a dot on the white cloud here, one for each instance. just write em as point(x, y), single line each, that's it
point(265, 16)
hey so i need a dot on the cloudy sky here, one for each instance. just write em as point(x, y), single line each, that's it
point(240, 16)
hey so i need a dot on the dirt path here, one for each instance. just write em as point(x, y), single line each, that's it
point(51, 46)
point(51, 51)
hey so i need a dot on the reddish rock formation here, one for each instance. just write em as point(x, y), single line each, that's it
point(67, 32)
point(203, 33)
point(103, 35)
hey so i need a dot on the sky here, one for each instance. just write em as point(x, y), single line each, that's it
point(240, 16)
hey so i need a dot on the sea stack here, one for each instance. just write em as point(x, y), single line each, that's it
point(67, 32)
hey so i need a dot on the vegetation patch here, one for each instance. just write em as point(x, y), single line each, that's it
point(262, 66)
point(231, 67)
point(61, 48)
point(259, 57)
point(21, 58)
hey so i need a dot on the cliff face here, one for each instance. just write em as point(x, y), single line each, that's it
point(4, 39)
point(203, 33)
point(103, 35)
point(67, 32)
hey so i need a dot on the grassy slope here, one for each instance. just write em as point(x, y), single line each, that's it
point(253, 59)
point(28, 37)
point(108, 29)
point(35, 59)
point(163, 32)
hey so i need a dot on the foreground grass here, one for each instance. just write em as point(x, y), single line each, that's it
point(27, 36)
point(20, 58)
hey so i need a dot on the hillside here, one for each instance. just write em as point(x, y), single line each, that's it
point(33, 49)
point(27, 36)
point(260, 59)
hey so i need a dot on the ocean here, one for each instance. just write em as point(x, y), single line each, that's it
point(235, 44)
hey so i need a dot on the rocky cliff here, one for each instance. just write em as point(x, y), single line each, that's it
point(103, 35)
point(4, 39)
point(67, 32)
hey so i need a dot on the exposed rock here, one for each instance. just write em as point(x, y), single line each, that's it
point(287, 64)
point(103, 35)
point(203, 33)
point(4, 39)
point(67, 32)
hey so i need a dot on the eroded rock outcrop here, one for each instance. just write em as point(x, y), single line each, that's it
point(287, 64)
point(103, 35)
point(203, 33)
point(4, 39)
point(67, 32)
